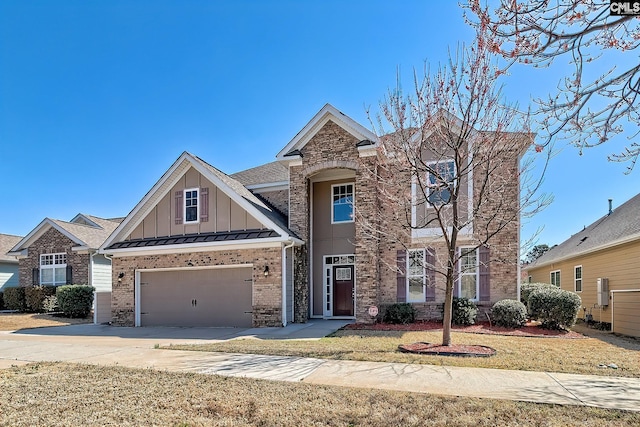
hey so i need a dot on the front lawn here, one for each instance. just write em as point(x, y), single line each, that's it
point(17, 321)
point(51, 394)
point(578, 356)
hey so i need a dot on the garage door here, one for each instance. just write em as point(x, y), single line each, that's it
point(626, 313)
point(211, 297)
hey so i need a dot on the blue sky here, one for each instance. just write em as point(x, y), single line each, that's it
point(98, 99)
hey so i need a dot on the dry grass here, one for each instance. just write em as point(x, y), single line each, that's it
point(578, 356)
point(17, 321)
point(73, 395)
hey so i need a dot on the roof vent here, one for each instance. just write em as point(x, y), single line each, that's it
point(610, 206)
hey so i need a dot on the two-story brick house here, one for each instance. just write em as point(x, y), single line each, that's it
point(286, 241)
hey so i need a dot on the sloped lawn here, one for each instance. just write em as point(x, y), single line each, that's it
point(80, 395)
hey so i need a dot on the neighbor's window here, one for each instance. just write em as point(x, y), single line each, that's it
point(53, 269)
point(578, 278)
point(341, 203)
point(555, 278)
point(191, 205)
point(469, 270)
point(439, 181)
point(416, 277)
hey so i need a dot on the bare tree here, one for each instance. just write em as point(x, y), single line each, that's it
point(451, 172)
point(599, 99)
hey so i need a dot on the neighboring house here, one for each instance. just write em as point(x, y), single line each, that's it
point(279, 243)
point(601, 263)
point(59, 252)
point(8, 264)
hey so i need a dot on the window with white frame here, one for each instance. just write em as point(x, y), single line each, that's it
point(469, 271)
point(342, 203)
point(439, 181)
point(53, 269)
point(578, 278)
point(555, 278)
point(191, 205)
point(416, 276)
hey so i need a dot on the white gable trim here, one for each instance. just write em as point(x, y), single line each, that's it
point(37, 232)
point(328, 112)
point(148, 202)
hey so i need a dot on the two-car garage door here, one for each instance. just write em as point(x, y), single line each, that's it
point(203, 297)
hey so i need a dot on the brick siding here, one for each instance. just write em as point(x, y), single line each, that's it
point(267, 291)
point(52, 241)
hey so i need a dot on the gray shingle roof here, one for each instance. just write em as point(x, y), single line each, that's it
point(93, 237)
point(622, 223)
point(7, 241)
point(264, 174)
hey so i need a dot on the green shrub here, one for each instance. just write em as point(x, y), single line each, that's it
point(554, 308)
point(75, 300)
point(35, 295)
point(14, 299)
point(527, 288)
point(1, 300)
point(400, 313)
point(464, 312)
point(50, 304)
point(509, 313)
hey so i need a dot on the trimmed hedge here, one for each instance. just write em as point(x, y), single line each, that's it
point(527, 288)
point(1, 300)
point(14, 299)
point(400, 313)
point(509, 313)
point(35, 295)
point(464, 312)
point(554, 307)
point(75, 300)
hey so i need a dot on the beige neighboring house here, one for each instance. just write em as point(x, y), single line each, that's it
point(282, 243)
point(601, 263)
point(59, 252)
point(8, 264)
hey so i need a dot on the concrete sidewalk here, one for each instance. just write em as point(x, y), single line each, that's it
point(605, 392)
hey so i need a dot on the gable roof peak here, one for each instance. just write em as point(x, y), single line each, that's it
point(326, 113)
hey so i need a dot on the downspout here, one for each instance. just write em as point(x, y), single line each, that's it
point(284, 281)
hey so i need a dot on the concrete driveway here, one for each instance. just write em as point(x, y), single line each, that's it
point(134, 347)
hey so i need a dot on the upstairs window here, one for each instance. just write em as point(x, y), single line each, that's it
point(555, 278)
point(341, 203)
point(191, 205)
point(53, 269)
point(439, 182)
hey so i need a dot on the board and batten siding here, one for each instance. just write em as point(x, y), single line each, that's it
point(101, 273)
point(224, 214)
point(619, 264)
point(8, 275)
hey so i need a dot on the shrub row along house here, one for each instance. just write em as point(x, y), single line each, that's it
point(601, 263)
point(292, 239)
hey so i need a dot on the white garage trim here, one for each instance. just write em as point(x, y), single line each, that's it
point(146, 270)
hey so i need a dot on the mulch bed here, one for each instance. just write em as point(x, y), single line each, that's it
point(459, 350)
point(530, 330)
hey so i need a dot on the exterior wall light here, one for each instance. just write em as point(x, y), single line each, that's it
point(266, 270)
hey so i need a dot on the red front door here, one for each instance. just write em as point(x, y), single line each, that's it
point(343, 290)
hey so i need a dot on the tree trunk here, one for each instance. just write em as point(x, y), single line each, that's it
point(448, 311)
